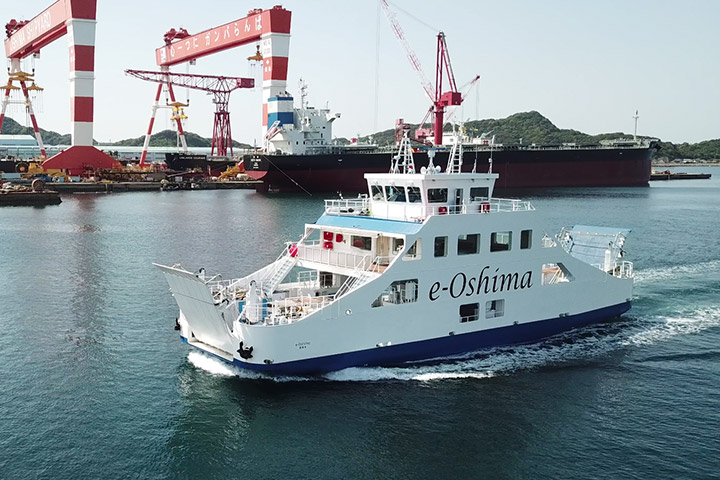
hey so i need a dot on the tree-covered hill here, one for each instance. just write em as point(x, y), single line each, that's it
point(528, 127)
point(166, 138)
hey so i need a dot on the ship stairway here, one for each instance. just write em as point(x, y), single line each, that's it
point(283, 265)
point(360, 278)
point(455, 160)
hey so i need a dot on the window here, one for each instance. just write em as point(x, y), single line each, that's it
point(326, 280)
point(525, 239)
point(468, 244)
point(413, 252)
point(364, 243)
point(377, 192)
point(494, 308)
point(441, 246)
point(469, 312)
point(395, 194)
point(479, 193)
point(437, 195)
point(500, 241)
point(553, 273)
point(414, 194)
point(399, 292)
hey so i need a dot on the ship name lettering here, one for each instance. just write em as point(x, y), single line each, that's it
point(487, 282)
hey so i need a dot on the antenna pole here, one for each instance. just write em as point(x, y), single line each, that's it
point(636, 116)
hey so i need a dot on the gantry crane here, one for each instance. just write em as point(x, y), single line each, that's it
point(219, 86)
point(270, 27)
point(443, 70)
point(76, 18)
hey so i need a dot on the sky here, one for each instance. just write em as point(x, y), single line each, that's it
point(585, 65)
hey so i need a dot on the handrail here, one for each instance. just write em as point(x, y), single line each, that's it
point(418, 212)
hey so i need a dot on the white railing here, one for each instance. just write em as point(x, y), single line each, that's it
point(314, 252)
point(363, 274)
point(622, 269)
point(285, 311)
point(418, 212)
point(355, 206)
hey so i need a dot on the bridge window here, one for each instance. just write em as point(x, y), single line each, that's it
point(395, 194)
point(377, 192)
point(500, 241)
point(437, 195)
point(479, 193)
point(469, 312)
point(399, 292)
point(468, 244)
point(414, 194)
point(525, 239)
point(441, 246)
point(494, 308)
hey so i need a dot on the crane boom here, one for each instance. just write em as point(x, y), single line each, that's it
point(443, 67)
point(207, 83)
point(414, 61)
point(252, 28)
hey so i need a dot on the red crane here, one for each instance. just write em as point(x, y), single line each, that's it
point(220, 87)
point(443, 69)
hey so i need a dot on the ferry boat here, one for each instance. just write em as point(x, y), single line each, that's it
point(426, 265)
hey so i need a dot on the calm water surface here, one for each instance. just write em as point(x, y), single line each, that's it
point(94, 382)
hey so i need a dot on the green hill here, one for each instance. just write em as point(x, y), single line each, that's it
point(528, 127)
point(166, 138)
point(531, 127)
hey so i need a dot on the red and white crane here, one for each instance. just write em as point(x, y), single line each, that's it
point(219, 86)
point(443, 71)
point(270, 27)
point(76, 18)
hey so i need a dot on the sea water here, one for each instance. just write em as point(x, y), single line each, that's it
point(95, 383)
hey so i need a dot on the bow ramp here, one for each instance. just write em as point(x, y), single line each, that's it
point(199, 309)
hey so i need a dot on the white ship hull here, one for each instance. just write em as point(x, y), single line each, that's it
point(426, 265)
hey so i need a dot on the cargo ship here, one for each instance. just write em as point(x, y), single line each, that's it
point(299, 156)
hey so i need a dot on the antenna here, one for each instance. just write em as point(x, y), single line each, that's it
point(492, 144)
point(636, 116)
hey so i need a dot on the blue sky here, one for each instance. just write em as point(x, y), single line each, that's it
point(584, 65)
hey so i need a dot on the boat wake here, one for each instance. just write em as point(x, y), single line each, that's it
point(579, 346)
point(674, 272)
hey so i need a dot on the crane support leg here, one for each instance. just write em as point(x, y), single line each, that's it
point(31, 112)
point(5, 101)
point(181, 133)
point(146, 144)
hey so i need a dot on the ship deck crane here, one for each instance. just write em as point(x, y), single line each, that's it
point(443, 70)
point(220, 87)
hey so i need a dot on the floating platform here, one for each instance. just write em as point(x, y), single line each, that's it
point(107, 187)
point(668, 175)
point(29, 198)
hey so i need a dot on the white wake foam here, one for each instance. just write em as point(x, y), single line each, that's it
point(667, 328)
point(576, 346)
point(211, 365)
point(674, 272)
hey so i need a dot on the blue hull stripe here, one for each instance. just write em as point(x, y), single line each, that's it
point(437, 347)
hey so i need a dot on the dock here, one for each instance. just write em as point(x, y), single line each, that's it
point(112, 187)
point(668, 175)
point(29, 198)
